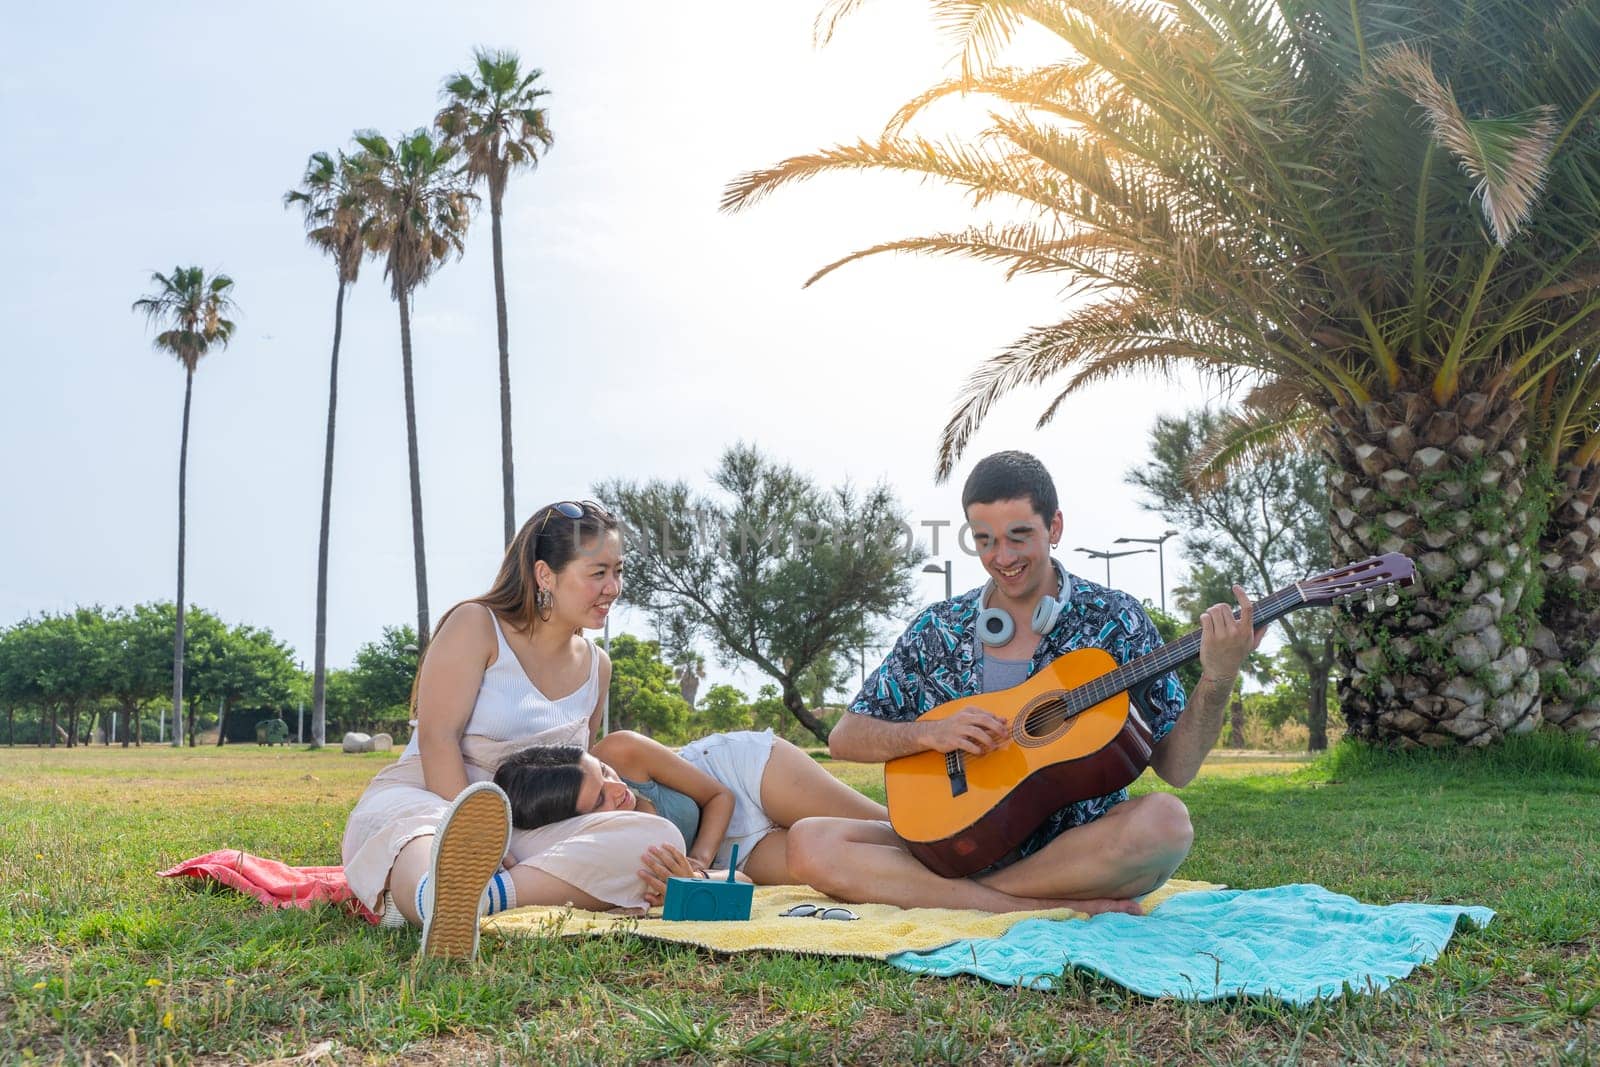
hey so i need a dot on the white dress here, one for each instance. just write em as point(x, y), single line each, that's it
point(598, 854)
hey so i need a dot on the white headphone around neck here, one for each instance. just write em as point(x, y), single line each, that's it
point(995, 626)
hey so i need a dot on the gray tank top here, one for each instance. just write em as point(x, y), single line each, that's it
point(1000, 673)
point(675, 807)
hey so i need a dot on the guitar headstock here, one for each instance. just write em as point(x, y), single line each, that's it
point(1391, 568)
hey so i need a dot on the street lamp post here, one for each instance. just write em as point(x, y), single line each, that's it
point(1095, 553)
point(1161, 560)
point(941, 568)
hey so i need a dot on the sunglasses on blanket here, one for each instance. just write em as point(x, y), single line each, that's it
point(812, 911)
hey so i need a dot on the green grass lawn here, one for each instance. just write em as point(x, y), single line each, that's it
point(99, 958)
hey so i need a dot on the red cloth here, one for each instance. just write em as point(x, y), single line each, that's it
point(275, 884)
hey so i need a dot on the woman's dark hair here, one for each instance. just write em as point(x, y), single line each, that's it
point(1011, 476)
point(542, 782)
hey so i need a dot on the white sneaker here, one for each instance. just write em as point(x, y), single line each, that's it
point(468, 847)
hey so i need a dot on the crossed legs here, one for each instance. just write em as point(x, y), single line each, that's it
point(1098, 867)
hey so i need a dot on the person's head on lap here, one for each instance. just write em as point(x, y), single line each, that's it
point(549, 783)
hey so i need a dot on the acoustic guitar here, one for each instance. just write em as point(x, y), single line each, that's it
point(1075, 734)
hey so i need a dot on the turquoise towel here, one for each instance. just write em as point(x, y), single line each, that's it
point(1294, 942)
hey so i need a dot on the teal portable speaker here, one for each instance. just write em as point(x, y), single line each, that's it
point(703, 900)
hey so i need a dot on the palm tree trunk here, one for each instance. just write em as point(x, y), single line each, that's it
point(1447, 663)
point(1317, 709)
point(319, 677)
point(416, 475)
point(1567, 641)
point(177, 633)
point(506, 482)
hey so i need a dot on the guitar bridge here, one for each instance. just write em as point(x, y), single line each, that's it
point(956, 767)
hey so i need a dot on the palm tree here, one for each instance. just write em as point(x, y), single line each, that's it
point(331, 208)
point(1383, 212)
point(188, 308)
point(417, 208)
point(689, 670)
point(496, 119)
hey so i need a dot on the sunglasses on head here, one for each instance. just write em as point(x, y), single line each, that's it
point(814, 911)
point(571, 509)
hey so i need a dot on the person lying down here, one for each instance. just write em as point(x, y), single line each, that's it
point(745, 787)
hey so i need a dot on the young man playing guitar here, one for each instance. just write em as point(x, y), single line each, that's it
point(1094, 855)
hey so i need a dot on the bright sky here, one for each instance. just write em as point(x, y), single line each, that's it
point(648, 331)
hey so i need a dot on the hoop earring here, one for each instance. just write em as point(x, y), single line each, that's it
point(544, 601)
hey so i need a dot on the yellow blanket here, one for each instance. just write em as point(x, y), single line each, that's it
point(881, 931)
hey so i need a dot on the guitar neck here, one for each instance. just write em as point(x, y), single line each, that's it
point(1175, 654)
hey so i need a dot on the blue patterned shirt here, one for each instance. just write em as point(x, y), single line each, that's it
point(937, 660)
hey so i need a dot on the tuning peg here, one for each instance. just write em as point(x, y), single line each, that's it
point(1392, 599)
point(1372, 601)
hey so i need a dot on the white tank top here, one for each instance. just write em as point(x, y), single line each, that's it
point(510, 706)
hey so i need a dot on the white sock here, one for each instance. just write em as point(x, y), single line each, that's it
point(499, 895)
point(392, 918)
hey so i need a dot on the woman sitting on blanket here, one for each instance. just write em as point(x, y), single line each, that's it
point(427, 841)
point(745, 788)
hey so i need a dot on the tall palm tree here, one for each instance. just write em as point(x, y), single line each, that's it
point(493, 112)
point(332, 211)
point(417, 208)
point(1385, 212)
point(188, 307)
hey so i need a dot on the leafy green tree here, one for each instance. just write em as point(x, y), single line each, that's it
point(1379, 216)
point(1263, 526)
point(332, 211)
point(417, 207)
point(136, 641)
point(15, 685)
point(644, 696)
point(778, 572)
point(189, 308)
point(385, 670)
point(828, 674)
point(724, 708)
point(253, 668)
point(208, 655)
point(19, 677)
point(343, 698)
point(493, 113)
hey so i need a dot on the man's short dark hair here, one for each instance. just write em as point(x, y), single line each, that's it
point(1011, 476)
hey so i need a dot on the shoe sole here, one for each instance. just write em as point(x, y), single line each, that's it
point(467, 850)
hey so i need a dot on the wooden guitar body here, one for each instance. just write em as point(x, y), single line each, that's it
point(960, 813)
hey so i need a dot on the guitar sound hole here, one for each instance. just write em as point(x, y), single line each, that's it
point(1044, 720)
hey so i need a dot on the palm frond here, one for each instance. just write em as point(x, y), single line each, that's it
point(1246, 438)
point(1508, 155)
